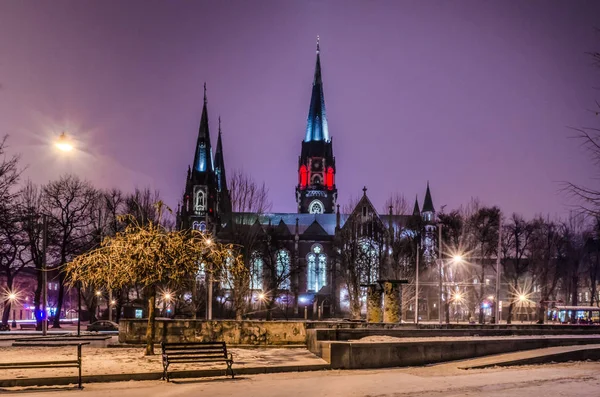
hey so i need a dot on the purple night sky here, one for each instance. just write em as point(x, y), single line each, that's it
point(475, 97)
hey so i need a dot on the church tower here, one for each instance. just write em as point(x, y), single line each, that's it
point(316, 192)
point(201, 197)
point(429, 222)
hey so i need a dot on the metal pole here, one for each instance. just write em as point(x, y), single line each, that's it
point(79, 309)
point(498, 274)
point(417, 287)
point(440, 271)
point(109, 305)
point(44, 275)
point(210, 296)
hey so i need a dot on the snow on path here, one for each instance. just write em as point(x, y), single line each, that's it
point(573, 379)
point(97, 361)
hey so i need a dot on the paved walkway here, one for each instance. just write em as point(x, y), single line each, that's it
point(573, 380)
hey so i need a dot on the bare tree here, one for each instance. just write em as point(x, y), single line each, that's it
point(483, 231)
point(69, 202)
point(247, 195)
point(398, 203)
point(12, 243)
point(546, 257)
point(30, 209)
point(249, 201)
point(516, 240)
point(588, 196)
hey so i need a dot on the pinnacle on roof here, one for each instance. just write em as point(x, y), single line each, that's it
point(220, 162)
point(203, 156)
point(416, 210)
point(428, 202)
point(316, 128)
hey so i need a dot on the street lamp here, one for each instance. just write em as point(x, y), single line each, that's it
point(13, 297)
point(63, 143)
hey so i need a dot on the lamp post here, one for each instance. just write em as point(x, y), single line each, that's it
point(209, 297)
point(13, 297)
point(417, 286)
point(44, 302)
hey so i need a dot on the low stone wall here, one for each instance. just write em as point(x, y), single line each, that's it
point(356, 355)
point(229, 331)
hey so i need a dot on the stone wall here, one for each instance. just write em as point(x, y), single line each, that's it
point(357, 355)
point(229, 331)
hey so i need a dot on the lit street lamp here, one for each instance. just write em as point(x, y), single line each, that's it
point(13, 297)
point(63, 143)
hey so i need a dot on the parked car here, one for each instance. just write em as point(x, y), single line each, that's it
point(103, 326)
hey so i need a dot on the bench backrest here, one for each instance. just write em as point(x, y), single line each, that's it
point(198, 349)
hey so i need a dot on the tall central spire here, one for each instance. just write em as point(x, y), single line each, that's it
point(316, 128)
point(203, 155)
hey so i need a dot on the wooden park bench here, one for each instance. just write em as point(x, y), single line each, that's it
point(28, 326)
point(49, 364)
point(195, 352)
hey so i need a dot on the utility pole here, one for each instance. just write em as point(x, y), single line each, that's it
point(440, 271)
point(44, 275)
point(417, 287)
point(498, 274)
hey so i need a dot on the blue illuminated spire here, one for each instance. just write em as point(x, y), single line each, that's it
point(220, 163)
point(203, 156)
point(316, 128)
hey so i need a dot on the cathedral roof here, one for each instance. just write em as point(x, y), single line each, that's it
point(316, 128)
point(308, 224)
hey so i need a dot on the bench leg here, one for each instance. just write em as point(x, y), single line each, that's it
point(230, 369)
point(79, 364)
point(166, 371)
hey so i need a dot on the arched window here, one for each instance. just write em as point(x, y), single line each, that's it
point(316, 207)
point(199, 225)
point(283, 269)
point(199, 201)
point(303, 176)
point(330, 181)
point(256, 271)
point(316, 263)
point(316, 179)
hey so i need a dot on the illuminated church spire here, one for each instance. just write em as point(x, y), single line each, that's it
point(220, 163)
point(316, 128)
point(203, 156)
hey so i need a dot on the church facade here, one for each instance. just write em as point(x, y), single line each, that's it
point(296, 258)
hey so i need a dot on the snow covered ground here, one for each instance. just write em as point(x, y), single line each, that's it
point(393, 339)
point(572, 379)
point(100, 361)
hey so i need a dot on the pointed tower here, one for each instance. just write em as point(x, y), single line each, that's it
point(316, 192)
point(224, 200)
point(200, 197)
point(428, 210)
point(429, 237)
point(416, 210)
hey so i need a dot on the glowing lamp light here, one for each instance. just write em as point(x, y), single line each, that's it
point(457, 258)
point(208, 241)
point(63, 143)
point(168, 296)
point(113, 302)
point(98, 293)
point(522, 298)
point(261, 296)
point(12, 296)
